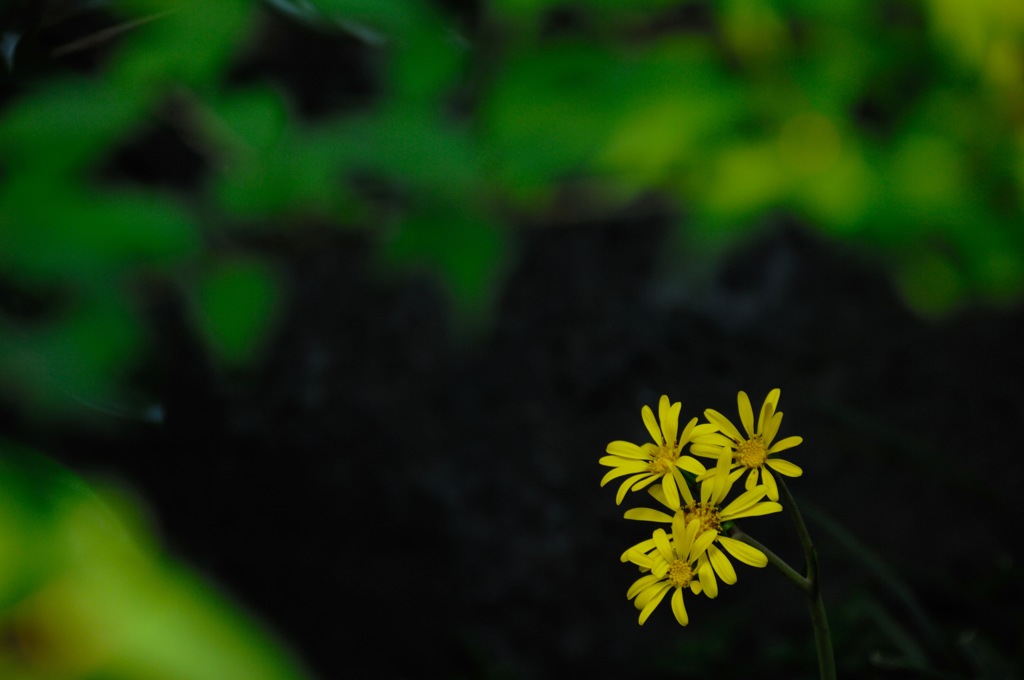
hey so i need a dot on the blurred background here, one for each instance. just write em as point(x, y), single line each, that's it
point(316, 316)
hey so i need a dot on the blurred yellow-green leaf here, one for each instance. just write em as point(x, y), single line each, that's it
point(86, 591)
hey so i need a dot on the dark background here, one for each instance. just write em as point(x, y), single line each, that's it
point(392, 496)
point(398, 493)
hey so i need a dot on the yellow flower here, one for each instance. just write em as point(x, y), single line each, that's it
point(672, 565)
point(710, 515)
point(753, 452)
point(661, 460)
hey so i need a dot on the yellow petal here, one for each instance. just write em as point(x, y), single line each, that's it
point(704, 430)
point(653, 602)
point(670, 422)
point(679, 534)
point(787, 443)
point(746, 413)
point(765, 508)
point(707, 486)
point(687, 434)
point(658, 494)
point(678, 608)
point(723, 567)
point(626, 450)
point(625, 486)
point(619, 462)
point(702, 542)
point(707, 579)
point(744, 501)
point(688, 535)
point(638, 558)
point(721, 481)
point(683, 486)
point(707, 474)
point(643, 483)
point(639, 585)
point(772, 428)
point(765, 416)
point(668, 487)
point(621, 471)
point(645, 594)
point(691, 465)
point(769, 483)
point(662, 543)
point(724, 424)
point(643, 547)
point(648, 515)
point(747, 554)
point(709, 450)
point(751, 480)
point(652, 425)
point(713, 439)
point(784, 467)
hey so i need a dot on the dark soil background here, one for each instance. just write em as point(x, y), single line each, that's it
point(400, 497)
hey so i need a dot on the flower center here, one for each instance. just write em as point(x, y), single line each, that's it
point(706, 513)
point(664, 457)
point(680, 573)
point(751, 453)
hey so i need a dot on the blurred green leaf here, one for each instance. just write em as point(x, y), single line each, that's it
point(415, 150)
point(394, 18)
point(994, 262)
point(59, 232)
point(77, 361)
point(64, 126)
point(236, 302)
point(548, 114)
point(247, 120)
point(299, 176)
point(465, 251)
point(184, 43)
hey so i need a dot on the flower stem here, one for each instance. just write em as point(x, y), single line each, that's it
point(808, 584)
point(819, 620)
point(822, 637)
point(789, 572)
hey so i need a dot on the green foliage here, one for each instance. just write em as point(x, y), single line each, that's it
point(236, 303)
point(157, 58)
point(79, 358)
point(893, 126)
point(82, 237)
point(457, 243)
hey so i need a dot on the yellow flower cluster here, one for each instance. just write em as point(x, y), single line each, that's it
point(692, 553)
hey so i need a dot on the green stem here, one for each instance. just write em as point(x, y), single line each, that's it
point(789, 572)
point(808, 584)
point(819, 620)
